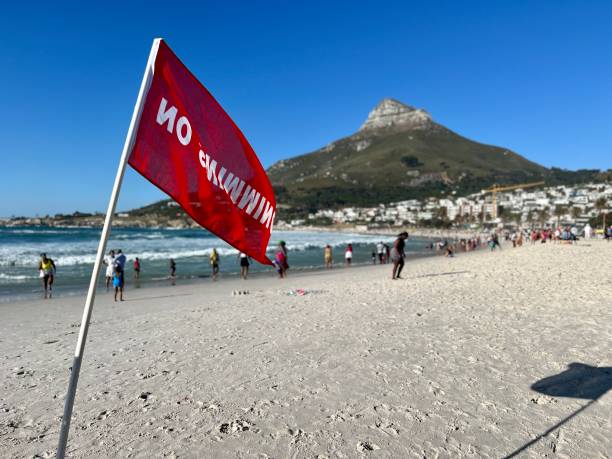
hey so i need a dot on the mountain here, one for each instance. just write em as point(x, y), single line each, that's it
point(399, 153)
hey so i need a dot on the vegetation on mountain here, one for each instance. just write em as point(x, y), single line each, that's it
point(401, 153)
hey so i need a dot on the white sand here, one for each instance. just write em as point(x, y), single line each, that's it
point(437, 365)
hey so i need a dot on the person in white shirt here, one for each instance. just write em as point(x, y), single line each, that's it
point(573, 234)
point(348, 255)
point(109, 261)
point(380, 249)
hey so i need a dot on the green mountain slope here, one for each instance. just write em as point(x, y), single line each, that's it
point(399, 153)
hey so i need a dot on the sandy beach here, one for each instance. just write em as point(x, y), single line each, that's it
point(451, 361)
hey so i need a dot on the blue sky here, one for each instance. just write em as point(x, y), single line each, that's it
point(535, 77)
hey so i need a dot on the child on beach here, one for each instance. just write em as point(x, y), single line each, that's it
point(118, 283)
point(280, 260)
point(137, 268)
point(327, 255)
point(244, 265)
point(214, 263)
point(109, 261)
point(348, 255)
point(172, 270)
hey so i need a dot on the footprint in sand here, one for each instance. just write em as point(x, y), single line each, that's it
point(366, 447)
point(239, 425)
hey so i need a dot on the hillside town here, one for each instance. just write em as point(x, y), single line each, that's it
point(521, 207)
point(576, 205)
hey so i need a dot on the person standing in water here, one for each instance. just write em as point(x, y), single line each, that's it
point(327, 256)
point(136, 268)
point(46, 269)
point(172, 268)
point(109, 261)
point(397, 255)
point(244, 265)
point(214, 263)
point(348, 255)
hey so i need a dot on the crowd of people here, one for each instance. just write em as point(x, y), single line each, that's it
point(115, 262)
point(559, 234)
point(382, 253)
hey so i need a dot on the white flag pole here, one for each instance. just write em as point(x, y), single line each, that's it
point(80, 347)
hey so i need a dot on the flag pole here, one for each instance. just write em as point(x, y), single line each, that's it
point(80, 347)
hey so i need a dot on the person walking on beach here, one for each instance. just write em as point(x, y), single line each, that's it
point(136, 268)
point(172, 265)
point(214, 263)
point(109, 261)
point(46, 269)
point(495, 242)
point(327, 255)
point(118, 282)
point(380, 249)
point(397, 255)
point(348, 255)
point(387, 253)
point(280, 260)
point(244, 265)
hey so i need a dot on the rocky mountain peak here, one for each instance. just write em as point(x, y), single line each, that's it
point(390, 113)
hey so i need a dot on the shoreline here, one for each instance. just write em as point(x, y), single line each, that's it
point(194, 280)
point(19, 281)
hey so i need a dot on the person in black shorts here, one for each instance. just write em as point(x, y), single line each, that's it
point(244, 265)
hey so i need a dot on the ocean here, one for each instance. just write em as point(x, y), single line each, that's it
point(74, 249)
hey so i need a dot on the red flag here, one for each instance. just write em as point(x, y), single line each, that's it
point(191, 149)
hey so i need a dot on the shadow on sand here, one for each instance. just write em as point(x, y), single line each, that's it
point(453, 273)
point(578, 381)
point(160, 296)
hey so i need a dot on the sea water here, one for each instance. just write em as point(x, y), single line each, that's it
point(74, 249)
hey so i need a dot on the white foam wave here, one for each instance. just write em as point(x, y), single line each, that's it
point(43, 231)
point(161, 244)
point(10, 278)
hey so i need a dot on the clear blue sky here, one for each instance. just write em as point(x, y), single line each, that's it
point(535, 77)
